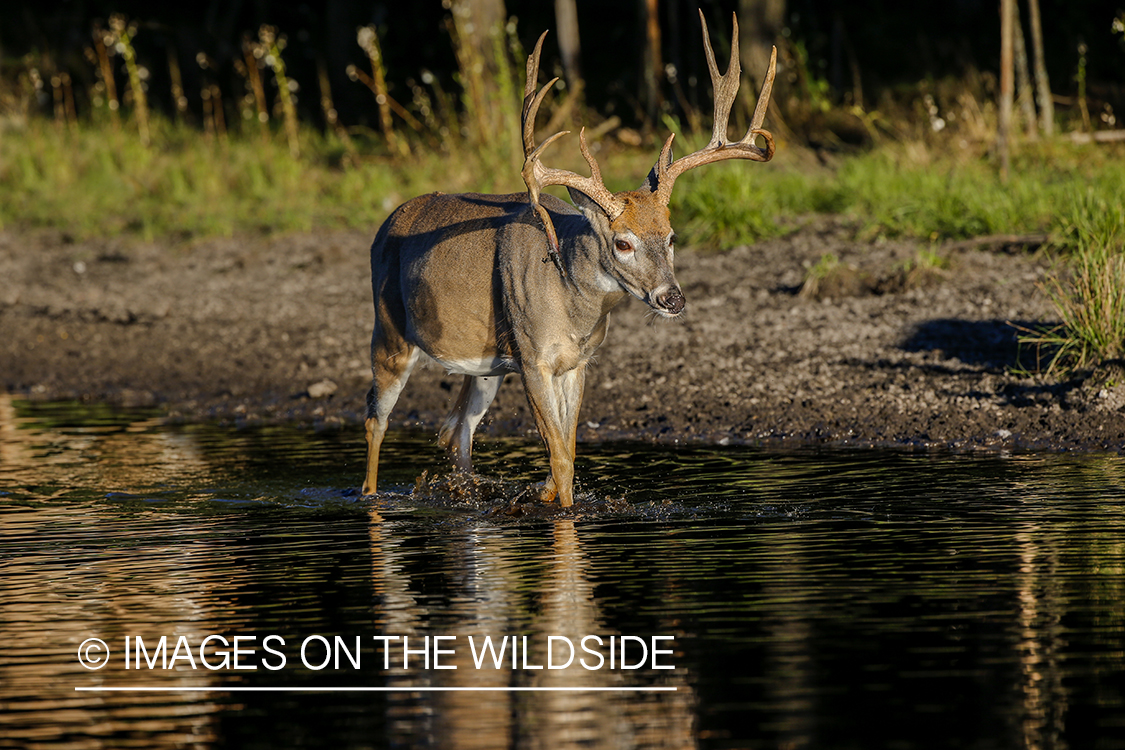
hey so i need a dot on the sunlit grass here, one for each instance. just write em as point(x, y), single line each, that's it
point(1087, 288)
point(900, 190)
point(95, 179)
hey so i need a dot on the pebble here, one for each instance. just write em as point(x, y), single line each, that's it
point(322, 389)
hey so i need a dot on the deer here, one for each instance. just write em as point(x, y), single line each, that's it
point(462, 279)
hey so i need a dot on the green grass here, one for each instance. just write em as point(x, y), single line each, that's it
point(897, 191)
point(95, 179)
point(1087, 288)
point(818, 273)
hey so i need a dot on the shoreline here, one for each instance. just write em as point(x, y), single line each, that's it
point(252, 330)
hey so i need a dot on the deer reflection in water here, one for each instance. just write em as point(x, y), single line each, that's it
point(491, 596)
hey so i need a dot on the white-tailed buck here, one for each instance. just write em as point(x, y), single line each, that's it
point(463, 279)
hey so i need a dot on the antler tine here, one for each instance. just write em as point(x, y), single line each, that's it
point(725, 86)
point(719, 148)
point(764, 99)
point(532, 166)
point(533, 67)
point(595, 170)
point(531, 100)
point(538, 176)
point(530, 110)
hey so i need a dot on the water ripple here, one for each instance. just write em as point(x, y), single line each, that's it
point(814, 597)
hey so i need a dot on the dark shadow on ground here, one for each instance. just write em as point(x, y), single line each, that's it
point(991, 344)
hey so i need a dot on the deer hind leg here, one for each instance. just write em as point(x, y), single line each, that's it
point(555, 400)
point(390, 369)
point(477, 393)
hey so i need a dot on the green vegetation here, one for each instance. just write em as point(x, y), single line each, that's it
point(1088, 290)
point(824, 270)
point(904, 190)
point(122, 168)
point(95, 179)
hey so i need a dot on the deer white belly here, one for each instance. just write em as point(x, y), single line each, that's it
point(484, 367)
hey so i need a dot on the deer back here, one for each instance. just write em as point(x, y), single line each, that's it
point(450, 272)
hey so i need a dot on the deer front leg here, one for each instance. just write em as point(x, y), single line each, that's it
point(555, 400)
point(389, 370)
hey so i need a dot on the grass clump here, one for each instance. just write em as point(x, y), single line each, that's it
point(926, 268)
point(820, 276)
point(1087, 288)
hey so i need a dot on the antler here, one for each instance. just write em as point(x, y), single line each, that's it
point(536, 176)
point(719, 148)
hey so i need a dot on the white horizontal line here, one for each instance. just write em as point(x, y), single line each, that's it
point(405, 689)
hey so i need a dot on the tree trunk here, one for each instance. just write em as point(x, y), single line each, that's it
point(1003, 135)
point(566, 19)
point(653, 72)
point(1042, 85)
point(479, 21)
point(759, 26)
point(1026, 95)
point(477, 26)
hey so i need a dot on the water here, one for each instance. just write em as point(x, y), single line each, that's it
point(820, 599)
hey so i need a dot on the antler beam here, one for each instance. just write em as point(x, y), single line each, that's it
point(719, 148)
point(537, 176)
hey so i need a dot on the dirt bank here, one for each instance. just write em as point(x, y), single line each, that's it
point(254, 329)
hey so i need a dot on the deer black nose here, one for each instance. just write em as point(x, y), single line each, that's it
point(673, 301)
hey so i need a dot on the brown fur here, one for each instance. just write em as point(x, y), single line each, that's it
point(461, 278)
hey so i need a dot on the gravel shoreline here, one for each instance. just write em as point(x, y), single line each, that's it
point(255, 330)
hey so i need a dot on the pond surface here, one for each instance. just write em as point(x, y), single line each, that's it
point(764, 599)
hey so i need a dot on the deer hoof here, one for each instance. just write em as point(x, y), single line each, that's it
point(547, 492)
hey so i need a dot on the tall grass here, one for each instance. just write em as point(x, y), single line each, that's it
point(91, 176)
point(903, 190)
point(95, 177)
point(99, 180)
point(1087, 288)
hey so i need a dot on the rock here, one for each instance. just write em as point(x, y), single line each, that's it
point(322, 389)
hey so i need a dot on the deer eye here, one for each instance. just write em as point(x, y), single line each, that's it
point(623, 246)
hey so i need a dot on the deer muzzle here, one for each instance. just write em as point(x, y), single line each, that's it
point(670, 302)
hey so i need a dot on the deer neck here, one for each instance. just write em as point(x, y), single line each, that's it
point(583, 257)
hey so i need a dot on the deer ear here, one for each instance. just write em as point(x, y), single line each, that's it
point(653, 180)
point(587, 205)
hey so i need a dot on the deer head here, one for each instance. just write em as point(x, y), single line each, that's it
point(636, 224)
